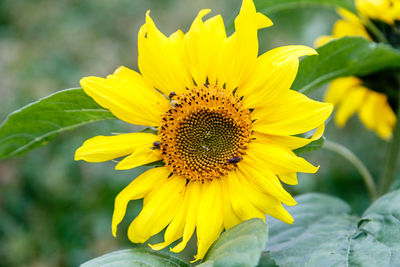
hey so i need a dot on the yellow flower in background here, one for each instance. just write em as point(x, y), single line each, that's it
point(349, 94)
point(374, 111)
point(384, 10)
point(226, 122)
point(349, 25)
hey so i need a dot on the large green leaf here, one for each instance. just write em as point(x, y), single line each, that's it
point(344, 57)
point(135, 257)
point(271, 6)
point(241, 245)
point(325, 234)
point(41, 121)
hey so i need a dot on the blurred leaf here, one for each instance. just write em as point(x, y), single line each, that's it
point(314, 145)
point(324, 234)
point(344, 57)
point(239, 246)
point(39, 122)
point(151, 130)
point(272, 6)
point(135, 257)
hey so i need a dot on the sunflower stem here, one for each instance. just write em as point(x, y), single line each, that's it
point(375, 31)
point(389, 172)
point(357, 163)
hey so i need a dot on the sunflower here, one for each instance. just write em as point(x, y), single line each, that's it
point(373, 108)
point(227, 124)
point(387, 11)
point(366, 95)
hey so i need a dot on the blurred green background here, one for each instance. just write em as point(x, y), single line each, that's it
point(57, 212)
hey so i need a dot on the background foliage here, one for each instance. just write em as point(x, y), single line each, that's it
point(57, 212)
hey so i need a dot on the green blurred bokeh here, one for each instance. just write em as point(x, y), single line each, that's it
point(57, 212)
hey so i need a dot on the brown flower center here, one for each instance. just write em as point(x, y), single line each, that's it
point(205, 133)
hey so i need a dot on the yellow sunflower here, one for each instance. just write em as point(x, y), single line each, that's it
point(374, 111)
point(226, 122)
point(387, 11)
point(349, 94)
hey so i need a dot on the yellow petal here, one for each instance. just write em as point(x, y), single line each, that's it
point(159, 211)
point(130, 100)
point(205, 42)
point(239, 198)
point(209, 218)
point(338, 89)
point(348, 15)
point(395, 11)
point(175, 229)
point(279, 159)
point(368, 109)
point(377, 9)
point(385, 118)
point(322, 40)
point(140, 157)
point(289, 178)
point(230, 217)
point(293, 113)
point(103, 148)
point(350, 105)
point(266, 181)
point(350, 25)
point(263, 21)
point(274, 73)
point(234, 68)
point(377, 115)
point(344, 28)
point(291, 142)
point(264, 202)
point(193, 194)
point(163, 60)
point(137, 189)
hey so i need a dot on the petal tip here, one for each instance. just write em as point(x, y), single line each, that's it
point(119, 70)
point(77, 157)
point(203, 12)
point(158, 246)
point(78, 154)
point(121, 166)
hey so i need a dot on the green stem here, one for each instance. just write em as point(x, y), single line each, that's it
point(375, 31)
point(357, 163)
point(389, 172)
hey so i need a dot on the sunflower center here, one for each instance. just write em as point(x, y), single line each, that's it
point(204, 134)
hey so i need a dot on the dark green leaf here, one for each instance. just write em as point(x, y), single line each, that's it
point(239, 246)
point(344, 57)
point(324, 234)
point(39, 122)
point(135, 257)
point(272, 6)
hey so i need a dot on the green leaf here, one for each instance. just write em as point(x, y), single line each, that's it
point(271, 6)
point(39, 122)
point(314, 145)
point(344, 57)
point(241, 245)
point(135, 257)
point(325, 234)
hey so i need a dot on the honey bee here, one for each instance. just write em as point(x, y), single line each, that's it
point(171, 95)
point(234, 160)
point(156, 145)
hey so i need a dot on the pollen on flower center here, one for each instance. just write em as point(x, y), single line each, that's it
point(205, 133)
